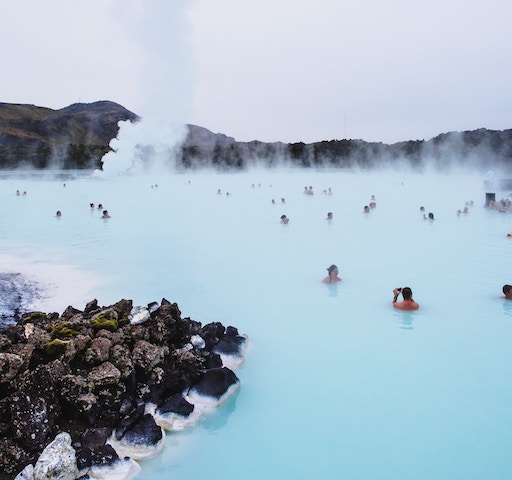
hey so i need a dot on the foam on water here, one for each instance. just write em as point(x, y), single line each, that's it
point(336, 383)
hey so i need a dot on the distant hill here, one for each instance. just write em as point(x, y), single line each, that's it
point(482, 149)
point(77, 137)
point(73, 137)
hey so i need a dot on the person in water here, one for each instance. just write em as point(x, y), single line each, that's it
point(284, 219)
point(507, 292)
point(333, 275)
point(329, 216)
point(408, 302)
point(105, 214)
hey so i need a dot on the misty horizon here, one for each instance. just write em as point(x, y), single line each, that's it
point(76, 137)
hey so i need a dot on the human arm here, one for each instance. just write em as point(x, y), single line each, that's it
point(396, 292)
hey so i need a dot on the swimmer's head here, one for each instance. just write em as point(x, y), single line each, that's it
point(506, 289)
point(406, 292)
point(332, 268)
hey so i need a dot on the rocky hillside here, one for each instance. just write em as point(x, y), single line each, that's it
point(73, 137)
point(77, 137)
point(481, 149)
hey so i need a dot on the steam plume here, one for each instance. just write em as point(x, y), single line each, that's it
point(158, 30)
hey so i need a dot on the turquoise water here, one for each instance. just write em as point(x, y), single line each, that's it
point(336, 383)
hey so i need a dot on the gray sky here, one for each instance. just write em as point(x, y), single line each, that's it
point(288, 70)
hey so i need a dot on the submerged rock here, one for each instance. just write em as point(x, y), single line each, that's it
point(120, 469)
point(231, 348)
point(144, 439)
point(214, 388)
point(103, 462)
point(177, 404)
point(176, 413)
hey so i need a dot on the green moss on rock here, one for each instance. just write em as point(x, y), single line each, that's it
point(35, 318)
point(64, 330)
point(106, 320)
point(55, 347)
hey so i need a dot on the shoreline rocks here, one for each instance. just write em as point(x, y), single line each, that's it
point(113, 379)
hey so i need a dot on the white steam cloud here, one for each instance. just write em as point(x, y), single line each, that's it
point(158, 30)
point(149, 146)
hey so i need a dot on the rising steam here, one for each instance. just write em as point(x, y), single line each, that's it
point(159, 32)
point(149, 146)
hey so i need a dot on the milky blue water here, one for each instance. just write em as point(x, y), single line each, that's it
point(336, 383)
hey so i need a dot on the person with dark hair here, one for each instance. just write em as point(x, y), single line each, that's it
point(507, 291)
point(408, 302)
point(284, 219)
point(333, 275)
point(105, 214)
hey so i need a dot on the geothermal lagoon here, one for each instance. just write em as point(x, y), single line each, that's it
point(336, 383)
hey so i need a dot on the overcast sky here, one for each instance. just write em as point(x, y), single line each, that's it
point(271, 70)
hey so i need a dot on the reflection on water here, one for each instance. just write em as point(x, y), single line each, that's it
point(507, 307)
point(217, 419)
point(332, 289)
point(405, 319)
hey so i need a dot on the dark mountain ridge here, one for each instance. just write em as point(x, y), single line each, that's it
point(73, 137)
point(77, 137)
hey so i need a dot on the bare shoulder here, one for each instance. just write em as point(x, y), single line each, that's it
point(412, 306)
point(406, 306)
